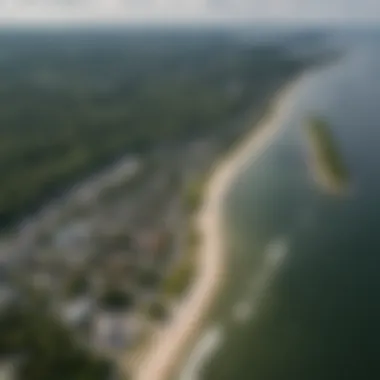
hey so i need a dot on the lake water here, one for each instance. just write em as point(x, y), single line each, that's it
point(302, 297)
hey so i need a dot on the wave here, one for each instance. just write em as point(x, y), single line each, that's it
point(243, 311)
point(275, 254)
point(206, 347)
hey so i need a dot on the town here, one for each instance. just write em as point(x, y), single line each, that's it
point(102, 255)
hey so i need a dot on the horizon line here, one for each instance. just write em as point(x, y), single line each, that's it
point(332, 23)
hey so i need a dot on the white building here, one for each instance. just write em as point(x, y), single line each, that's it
point(78, 311)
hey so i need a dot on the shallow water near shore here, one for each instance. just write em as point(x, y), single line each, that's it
point(301, 299)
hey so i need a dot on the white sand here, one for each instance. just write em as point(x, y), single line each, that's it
point(170, 343)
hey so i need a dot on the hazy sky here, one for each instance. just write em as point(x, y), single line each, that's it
point(176, 10)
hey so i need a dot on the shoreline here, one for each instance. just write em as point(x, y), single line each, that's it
point(169, 343)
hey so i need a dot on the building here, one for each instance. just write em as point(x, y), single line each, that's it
point(74, 236)
point(78, 312)
point(115, 331)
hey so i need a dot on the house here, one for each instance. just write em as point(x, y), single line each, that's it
point(73, 236)
point(78, 312)
point(115, 331)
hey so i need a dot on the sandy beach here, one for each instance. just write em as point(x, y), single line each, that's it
point(171, 342)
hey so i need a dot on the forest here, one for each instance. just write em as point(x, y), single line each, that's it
point(72, 103)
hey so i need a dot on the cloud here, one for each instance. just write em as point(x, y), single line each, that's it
point(98, 10)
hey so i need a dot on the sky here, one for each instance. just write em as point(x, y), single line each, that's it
point(124, 11)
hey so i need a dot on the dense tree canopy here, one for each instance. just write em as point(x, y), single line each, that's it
point(71, 106)
point(45, 348)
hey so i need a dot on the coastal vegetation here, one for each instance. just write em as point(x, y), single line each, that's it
point(64, 113)
point(179, 279)
point(158, 311)
point(192, 196)
point(330, 168)
point(43, 348)
point(116, 300)
point(77, 285)
point(148, 279)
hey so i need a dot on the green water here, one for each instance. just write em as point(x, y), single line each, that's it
point(301, 299)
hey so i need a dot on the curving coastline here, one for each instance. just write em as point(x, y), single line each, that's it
point(171, 342)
